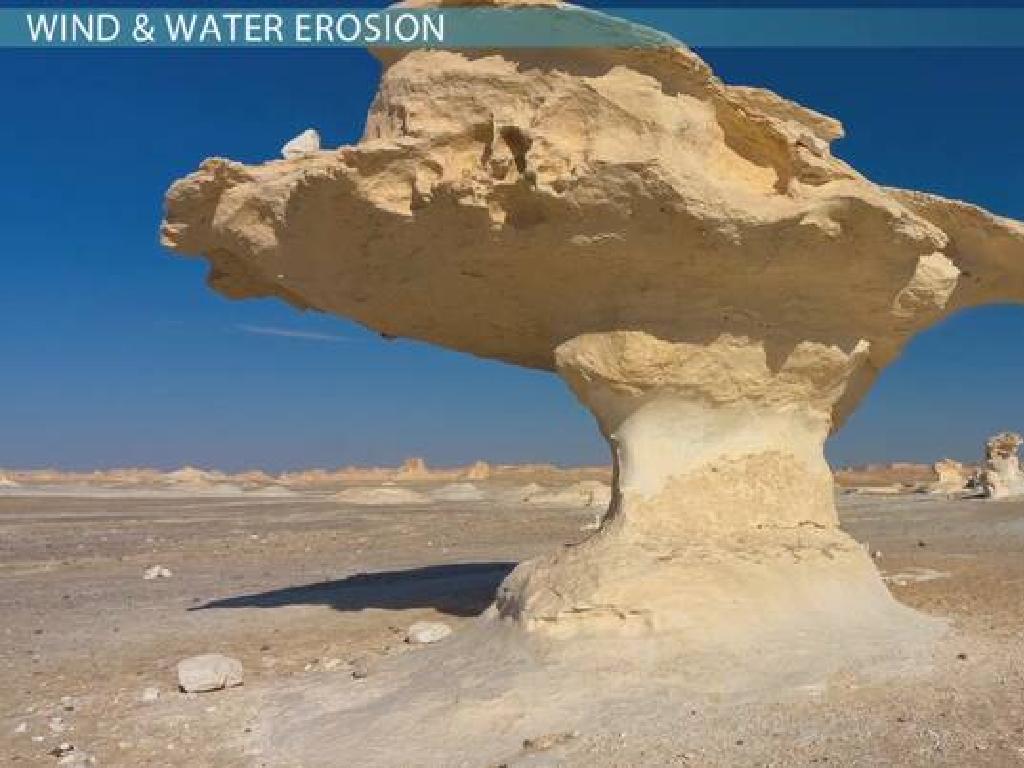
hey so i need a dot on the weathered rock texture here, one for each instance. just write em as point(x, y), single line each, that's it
point(952, 476)
point(209, 672)
point(688, 255)
point(1001, 476)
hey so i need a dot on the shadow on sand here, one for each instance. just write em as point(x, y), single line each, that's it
point(463, 589)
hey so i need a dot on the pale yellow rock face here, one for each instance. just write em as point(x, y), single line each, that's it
point(712, 283)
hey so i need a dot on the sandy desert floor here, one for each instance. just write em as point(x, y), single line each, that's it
point(306, 587)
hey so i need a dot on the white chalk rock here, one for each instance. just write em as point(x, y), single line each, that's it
point(76, 759)
point(952, 476)
point(480, 470)
point(157, 572)
point(209, 672)
point(149, 695)
point(426, 632)
point(305, 144)
point(1001, 476)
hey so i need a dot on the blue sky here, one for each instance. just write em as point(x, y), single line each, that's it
point(114, 352)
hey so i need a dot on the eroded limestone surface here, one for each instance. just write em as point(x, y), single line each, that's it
point(714, 284)
point(1001, 477)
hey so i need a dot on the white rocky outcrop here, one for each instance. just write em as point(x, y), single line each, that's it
point(414, 468)
point(149, 695)
point(427, 632)
point(156, 572)
point(190, 480)
point(479, 470)
point(209, 672)
point(1001, 476)
point(305, 144)
point(952, 476)
point(716, 287)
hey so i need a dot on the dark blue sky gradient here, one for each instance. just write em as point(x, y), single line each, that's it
point(114, 352)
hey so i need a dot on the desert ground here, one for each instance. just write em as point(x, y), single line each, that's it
point(300, 585)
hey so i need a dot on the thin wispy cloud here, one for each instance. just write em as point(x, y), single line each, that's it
point(289, 333)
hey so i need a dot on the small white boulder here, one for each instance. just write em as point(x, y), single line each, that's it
point(76, 759)
point(149, 695)
point(306, 143)
point(426, 632)
point(157, 572)
point(209, 672)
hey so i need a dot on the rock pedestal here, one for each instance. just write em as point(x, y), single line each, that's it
point(722, 526)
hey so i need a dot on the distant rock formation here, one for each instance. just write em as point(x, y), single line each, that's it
point(201, 481)
point(194, 475)
point(905, 476)
point(479, 470)
point(413, 468)
point(952, 476)
point(1001, 476)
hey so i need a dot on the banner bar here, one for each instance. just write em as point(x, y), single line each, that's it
point(521, 27)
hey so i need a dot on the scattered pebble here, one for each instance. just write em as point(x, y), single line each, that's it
point(76, 759)
point(57, 725)
point(426, 632)
point(22, 728)
point(360, 668)
point(149, 695)
point(157, 572)
point(62, 749)
point(209, 672)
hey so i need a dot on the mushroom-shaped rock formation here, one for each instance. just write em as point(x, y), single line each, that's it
point(1001, 476)
point(715, 286)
